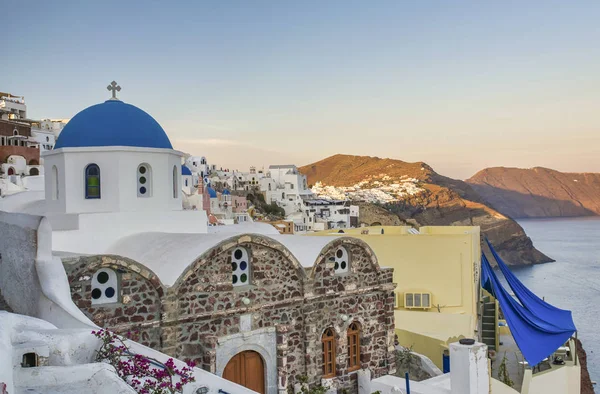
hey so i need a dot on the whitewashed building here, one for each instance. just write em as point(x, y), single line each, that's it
point(285, 186)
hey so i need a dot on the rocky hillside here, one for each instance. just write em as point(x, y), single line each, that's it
point(415, 193)
point(538, 192)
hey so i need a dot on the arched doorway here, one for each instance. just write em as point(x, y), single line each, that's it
point(246, 369)
point(34, 171)
point(11, 171)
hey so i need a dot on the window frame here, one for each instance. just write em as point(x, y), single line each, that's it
point(328, 349)
point(175, 182)
point(87, 177)
point(54, 179)
point(247, 258)
point(353, 333)
point(148, 184)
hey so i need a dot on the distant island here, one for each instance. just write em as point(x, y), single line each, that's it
point(538, 192)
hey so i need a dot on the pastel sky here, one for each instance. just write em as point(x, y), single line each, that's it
point(461, 85)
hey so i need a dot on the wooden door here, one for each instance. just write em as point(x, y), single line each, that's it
point(247, 369)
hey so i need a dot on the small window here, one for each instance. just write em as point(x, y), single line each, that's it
point(92, 181)
point(175, 183)
point(328, 342)
point(240, 267)
point(105, 289)
point(408, 300)
point(353, 347)
point(30, 360)
point(342, 261)
point(144, 180)
point(54, 183)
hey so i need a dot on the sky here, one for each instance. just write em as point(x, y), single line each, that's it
point(460, 85)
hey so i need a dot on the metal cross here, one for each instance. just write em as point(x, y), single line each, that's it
point(114, 88)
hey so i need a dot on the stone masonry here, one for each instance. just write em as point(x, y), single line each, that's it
point(202, 309)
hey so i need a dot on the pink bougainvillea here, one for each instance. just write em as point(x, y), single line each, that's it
point(145, 374)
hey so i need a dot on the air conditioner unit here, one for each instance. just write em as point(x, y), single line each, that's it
point(417, 300)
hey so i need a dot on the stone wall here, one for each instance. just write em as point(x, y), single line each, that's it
point(203, 317)
point(139, 308)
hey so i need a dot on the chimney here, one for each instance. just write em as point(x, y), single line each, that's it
point(469, 368)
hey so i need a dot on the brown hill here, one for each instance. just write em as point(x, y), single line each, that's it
point(538, 192)
point(444, 201)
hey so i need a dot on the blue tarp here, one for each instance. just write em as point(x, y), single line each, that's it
point(531, 301)
point(537, 330)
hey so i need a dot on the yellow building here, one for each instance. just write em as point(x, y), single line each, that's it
point(436, 270)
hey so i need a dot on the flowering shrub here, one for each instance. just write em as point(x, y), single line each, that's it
point(145, 374)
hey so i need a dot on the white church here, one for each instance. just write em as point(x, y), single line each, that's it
point(113, 172)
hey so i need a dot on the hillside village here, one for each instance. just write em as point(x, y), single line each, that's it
point(128, 266)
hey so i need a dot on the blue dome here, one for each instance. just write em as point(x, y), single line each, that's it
point(113, 123)
point(226, 192)
point(185, 171)
point(211, 192)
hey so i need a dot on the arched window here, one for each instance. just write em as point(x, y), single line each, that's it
point(144, 180)
point(240, 267)
point(342, 261)
point(175, 183)
point(105, 288)
point(54, 183)
point(269, 187)
point(92, 181)
point(353, 347)
point(328, 341)
point(283, 195)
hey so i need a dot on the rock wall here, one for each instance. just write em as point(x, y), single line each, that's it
point(204, 318)
point(586, 383)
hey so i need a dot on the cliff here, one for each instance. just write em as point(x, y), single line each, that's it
point(432, 199)
point(538, 192)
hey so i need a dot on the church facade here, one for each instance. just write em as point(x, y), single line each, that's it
point(248, 310)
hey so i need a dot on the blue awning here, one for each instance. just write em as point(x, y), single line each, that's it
point(537, 327)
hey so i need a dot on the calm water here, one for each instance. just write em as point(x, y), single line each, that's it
point(573, 281)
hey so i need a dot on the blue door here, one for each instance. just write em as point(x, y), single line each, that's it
point(446, 362)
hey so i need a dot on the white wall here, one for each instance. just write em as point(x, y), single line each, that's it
point(18, 276)
point(118, 179)
point(96, 232)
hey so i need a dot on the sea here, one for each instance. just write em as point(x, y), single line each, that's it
point(573, 281)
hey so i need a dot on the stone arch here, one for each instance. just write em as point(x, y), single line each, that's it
point(236, 240)
point(120, 263)
point(347, 242)
point(34, 171)
point(11, 171)
point(264, 344)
